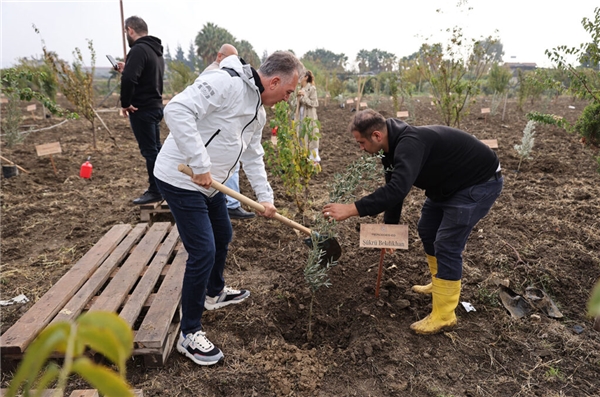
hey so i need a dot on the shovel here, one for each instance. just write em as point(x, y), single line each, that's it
point(329, 245)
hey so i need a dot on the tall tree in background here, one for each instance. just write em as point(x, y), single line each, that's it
point(209, 40)
point(327, 59)
point(326, 66)
point(493, 48)
point(179, 76)
point(387, 62)
point(192, 60)
point(179, 56)
point(375, 61)
point(167, 55)
point(247, 53)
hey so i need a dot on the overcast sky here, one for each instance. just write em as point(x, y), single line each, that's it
point(526, 28)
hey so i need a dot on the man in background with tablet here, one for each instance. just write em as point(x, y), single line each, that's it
point(141, 96)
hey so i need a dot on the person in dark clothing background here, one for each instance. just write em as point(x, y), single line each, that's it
point(462, 179)
point(141, 96)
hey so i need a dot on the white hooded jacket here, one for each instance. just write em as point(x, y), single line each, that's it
point(214, 123)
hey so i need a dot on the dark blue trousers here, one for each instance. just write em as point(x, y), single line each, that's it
point(205, 230)
point(145, 124)
point(444, 227)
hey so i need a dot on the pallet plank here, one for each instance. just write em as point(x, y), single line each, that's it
point(143, 290)
point(84, 393)
point(149, 211)
point(155, 358)
point(140, 269)
point(17, 338)
point(119, 287)
point(155, 327)
point(75, 306)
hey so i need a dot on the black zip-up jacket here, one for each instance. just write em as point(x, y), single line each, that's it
point(142, 78)
point(438, 159)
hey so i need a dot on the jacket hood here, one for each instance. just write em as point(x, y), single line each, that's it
point(395, 127)
point(234, 62)
point(152, 42)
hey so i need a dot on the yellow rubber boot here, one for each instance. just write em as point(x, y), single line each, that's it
point(426, 289)
point(445, 295)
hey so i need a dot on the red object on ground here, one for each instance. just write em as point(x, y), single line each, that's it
point(274, 130)
point(86, 170)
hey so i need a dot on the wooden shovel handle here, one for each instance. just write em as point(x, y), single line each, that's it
point(248, 201)
point(11, 163)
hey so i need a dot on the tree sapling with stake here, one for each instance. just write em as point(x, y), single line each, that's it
point(341, 191)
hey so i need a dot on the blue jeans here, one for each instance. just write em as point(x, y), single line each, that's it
point(145, 124)
point(234, 183)
point(205, 231)
point(444, 227)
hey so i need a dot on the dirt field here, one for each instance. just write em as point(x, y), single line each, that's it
point(544, 231)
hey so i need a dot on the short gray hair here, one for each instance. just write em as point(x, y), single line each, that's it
point(283, 63)
point(137, 24)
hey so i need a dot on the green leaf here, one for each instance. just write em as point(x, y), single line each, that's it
point(594, 302)
point(106, 381)
point(52, 338)
point(50, 375)
point(109, 320)
point(107, 334)
point(103, 342)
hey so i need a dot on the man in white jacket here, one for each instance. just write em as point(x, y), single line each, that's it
point(234, 207)
point(215, 123)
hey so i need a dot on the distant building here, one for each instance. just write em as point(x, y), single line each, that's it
point(520, 65)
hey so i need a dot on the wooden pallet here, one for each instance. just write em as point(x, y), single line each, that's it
point(136, 272)
point(148, 212)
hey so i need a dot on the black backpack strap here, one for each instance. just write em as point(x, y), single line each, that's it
point(231, 72)
point(255, 76)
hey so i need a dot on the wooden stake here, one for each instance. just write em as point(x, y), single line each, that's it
point(107, 129)
point(362, 81)
point(31, 110)
point(123, 35)
point(53, 165)
point(49, 149)
point(379, 272)
point(485, 111)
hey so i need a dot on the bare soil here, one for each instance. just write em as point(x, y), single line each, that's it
point(544, 231)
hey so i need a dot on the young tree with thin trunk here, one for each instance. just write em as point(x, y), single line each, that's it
point(76, 83)
point(455, 71)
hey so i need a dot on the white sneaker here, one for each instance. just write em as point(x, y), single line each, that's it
point(199, 349)
point(226, 297)
point(314, 156)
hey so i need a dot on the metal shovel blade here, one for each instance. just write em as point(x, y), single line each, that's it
point(330, 247)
